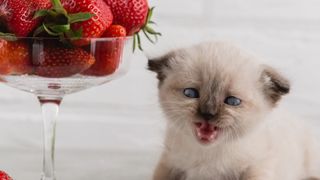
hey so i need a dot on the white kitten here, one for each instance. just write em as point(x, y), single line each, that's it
point(223, 122)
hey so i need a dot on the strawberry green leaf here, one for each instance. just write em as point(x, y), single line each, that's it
point(8, 36)
point(78, 33)
point(150, 13)
point(148, 37)
point(151, 31)
point(56, 12)
point(60, 28)
point(79, 17)
point(56, 4)
point(139, 42)
point(40, 13)
point(57, 21)
point(152, 22)
point(49, 31)
point(134, 42)
point(147, 31)
point(74, 35)
point(57, 7)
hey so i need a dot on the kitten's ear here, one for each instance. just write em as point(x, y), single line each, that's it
point(159, 65)
point(274, 84)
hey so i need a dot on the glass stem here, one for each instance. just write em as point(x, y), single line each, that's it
point(50, 110)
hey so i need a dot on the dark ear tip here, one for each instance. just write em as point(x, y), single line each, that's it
point(285, 88)
point(152, 65)
point(159, 64)
point(276, 86)
point(280, 83)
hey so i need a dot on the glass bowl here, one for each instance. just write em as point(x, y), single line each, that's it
point(51, 68)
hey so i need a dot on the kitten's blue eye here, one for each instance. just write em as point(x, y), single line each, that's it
point(191, 92)
point(232, 101)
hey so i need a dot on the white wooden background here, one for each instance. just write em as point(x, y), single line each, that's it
point(114, 131)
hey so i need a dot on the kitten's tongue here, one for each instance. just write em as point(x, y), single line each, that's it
point(206, 132)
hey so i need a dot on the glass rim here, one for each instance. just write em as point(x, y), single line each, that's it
point(75, 39)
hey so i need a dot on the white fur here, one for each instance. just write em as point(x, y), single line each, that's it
point(277, 149)
point(273, 145)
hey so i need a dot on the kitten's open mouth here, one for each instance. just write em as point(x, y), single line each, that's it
point(206, 132)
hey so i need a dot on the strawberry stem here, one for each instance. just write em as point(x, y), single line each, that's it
point(147, 31)
point(57, 4)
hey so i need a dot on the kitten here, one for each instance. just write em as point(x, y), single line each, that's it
point(223, 120)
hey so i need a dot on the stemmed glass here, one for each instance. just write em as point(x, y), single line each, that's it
point(51, 83)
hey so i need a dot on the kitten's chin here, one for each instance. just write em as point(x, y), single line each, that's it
point(205, 132)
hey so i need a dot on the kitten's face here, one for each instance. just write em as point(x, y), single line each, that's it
point(214, 92)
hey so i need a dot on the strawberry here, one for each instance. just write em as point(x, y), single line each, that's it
point(56, 62)
point(76, 19)
point(115, 31)
point(94, 27)
point(108, 53)
point(134, 15)
point(14, 57)
point(17, 15)
point(4, 176)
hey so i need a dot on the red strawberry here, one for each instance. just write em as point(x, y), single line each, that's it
point(132, 14)
point(88, 19)
point(14, 57)
point(57, 62)
point(94, 27)
point(17, 15)
point(115, 31)
point(108, 53)
point(4, 176)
